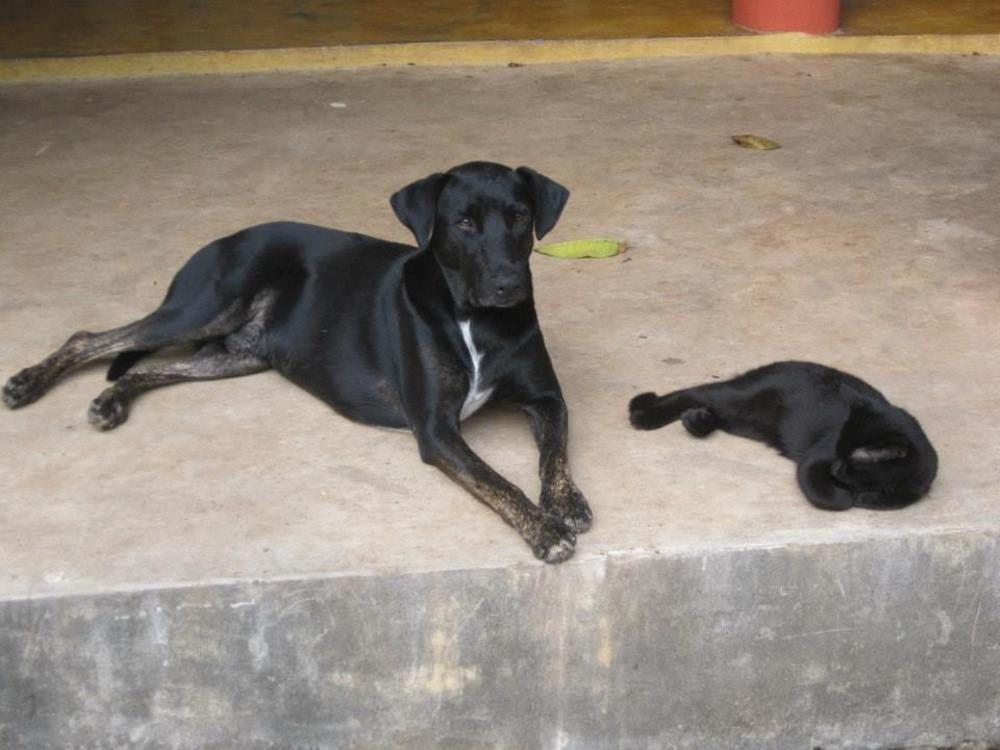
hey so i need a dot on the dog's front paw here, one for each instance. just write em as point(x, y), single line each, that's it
point(107, 412)
point(25, 387)
point(552, 540)
point(567, 503)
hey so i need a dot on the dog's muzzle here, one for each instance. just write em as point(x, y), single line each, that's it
point(504, 291)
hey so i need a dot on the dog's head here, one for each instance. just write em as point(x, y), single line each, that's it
point(478, 220)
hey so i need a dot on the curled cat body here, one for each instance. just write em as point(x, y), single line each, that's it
point(851, 446)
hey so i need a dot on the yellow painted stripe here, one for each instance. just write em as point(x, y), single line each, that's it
point(19, 70)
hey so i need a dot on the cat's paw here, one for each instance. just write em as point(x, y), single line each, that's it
point(641, 411)
point(700, 421)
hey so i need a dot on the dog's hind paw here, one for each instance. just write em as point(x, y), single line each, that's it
point(107, 412)
point(25, 387)
point(553, 541)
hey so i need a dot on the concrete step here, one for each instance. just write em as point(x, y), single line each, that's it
point(873, 643)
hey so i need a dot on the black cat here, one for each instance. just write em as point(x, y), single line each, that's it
point(852, 447)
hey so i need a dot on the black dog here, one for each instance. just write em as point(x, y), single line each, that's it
point(852, 447)
point(387, 334)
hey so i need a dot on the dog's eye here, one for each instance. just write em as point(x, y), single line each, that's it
point(467, 223)
point(521, 216)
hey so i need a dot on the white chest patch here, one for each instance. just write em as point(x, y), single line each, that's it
point(477, 394)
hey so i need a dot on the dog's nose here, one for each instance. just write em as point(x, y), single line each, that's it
point(508, 289)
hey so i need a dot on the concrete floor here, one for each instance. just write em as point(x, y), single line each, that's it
point(868, 242)
point(236, 566)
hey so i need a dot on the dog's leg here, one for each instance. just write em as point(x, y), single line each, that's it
point(31, 383)
point(560, 495)
point(443, 446)
point(535, 389)
point(211, 362)
point(164, 327)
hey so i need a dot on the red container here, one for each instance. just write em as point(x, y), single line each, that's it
point(810, 16)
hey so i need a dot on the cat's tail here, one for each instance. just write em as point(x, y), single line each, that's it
point(815, 477)
point(647, 411)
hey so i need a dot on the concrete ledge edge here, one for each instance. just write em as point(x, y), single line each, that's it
point(636, 555)
point(146, 65)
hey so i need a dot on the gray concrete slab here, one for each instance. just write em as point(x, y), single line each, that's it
point(851, 645)
point(868, 242)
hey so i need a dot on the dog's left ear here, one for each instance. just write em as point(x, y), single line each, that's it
point(549, 197)
point(416, 206)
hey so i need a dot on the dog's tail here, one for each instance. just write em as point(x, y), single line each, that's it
point(124, 361)
point(647, 411)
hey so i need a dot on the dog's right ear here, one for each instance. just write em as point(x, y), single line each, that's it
point(416, 205)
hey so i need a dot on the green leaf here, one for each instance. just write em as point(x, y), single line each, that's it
point(582, 248)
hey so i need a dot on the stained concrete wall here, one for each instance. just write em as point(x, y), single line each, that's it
point(873, 643)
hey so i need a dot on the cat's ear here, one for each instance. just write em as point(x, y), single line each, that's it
point(871, 454)
point(860, 404)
